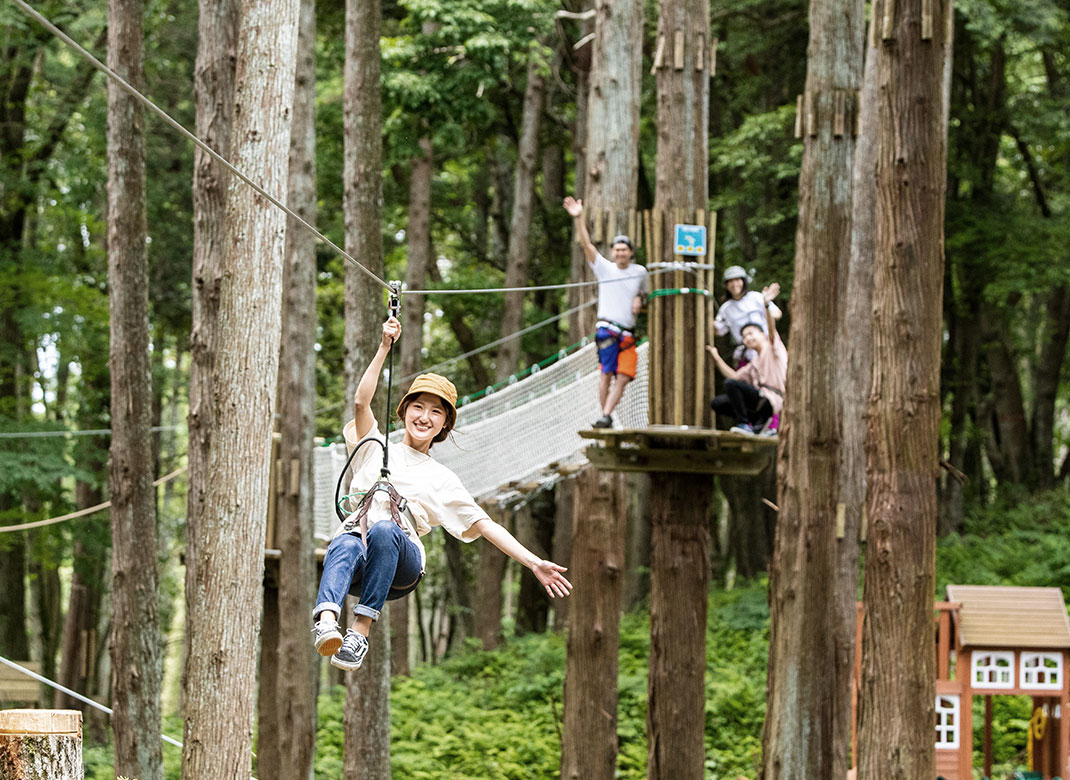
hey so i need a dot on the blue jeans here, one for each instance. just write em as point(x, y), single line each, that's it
point(386, 569)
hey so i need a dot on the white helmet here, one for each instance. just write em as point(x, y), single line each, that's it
point(735, 272)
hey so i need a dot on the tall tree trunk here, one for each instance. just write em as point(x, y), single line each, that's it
point(213, 82)
point(492, 561)
point(594, 630)
point(1054, 335)
point(535, 530)
point(680, 539)
point(751, 524)
point(366, 720)
point(459, 592)
point(137, 668)
point(519, 249)
point(808, 717)
point(412, 315)
point(367, 726)
point(363, 188)
point(269, 731)
point(582, 322)
point(47, 592)
point(606, 137)
point(295, 704)
point(419, 257)
point(1009, 446)
point(613, 106)
point(680, 535)
point(895, 736)
point(221, 667)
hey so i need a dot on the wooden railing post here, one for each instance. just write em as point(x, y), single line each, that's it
point(41, 745)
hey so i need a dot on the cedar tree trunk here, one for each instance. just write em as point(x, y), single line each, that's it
point(895, 736)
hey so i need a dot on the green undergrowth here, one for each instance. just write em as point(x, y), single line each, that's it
point(484, 715)
point(497, 715)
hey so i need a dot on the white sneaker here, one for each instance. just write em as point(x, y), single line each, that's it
point(328, 637)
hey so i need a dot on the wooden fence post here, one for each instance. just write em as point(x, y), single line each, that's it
point(41, 745)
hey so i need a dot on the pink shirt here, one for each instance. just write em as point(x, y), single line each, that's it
point(768, 371)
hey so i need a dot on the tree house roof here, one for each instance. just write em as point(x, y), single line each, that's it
point(1003, 616)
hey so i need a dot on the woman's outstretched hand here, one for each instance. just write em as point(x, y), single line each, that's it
point(550, 577)
point(391, 331)
point(771, 292)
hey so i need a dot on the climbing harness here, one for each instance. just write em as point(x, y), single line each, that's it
point(358, 518)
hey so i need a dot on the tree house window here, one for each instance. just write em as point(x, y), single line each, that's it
point(947, 722)
point(1042, 671)
point(992, 670)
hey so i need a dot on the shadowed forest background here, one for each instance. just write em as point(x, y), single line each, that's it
point(454, 76)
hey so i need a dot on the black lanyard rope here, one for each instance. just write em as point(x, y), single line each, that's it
point(384, 472)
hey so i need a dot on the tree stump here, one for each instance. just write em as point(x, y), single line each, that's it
point(41, 745)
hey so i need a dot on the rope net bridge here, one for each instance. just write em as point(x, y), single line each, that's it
point(526, 432)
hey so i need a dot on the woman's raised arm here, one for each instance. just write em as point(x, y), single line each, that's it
point(363, 419)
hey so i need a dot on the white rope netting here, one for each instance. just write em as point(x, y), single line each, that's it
point(514, 434)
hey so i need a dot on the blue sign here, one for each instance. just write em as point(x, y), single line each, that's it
point(690, 240)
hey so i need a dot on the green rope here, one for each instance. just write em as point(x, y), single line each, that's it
point(678, 291)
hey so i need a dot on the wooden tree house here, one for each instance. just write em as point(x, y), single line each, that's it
point(993, 641)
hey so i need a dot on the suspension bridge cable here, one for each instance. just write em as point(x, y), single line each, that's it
point(69, 434)
point(89, 510)
point(28, 9)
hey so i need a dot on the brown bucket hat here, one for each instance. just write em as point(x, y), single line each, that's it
point(438, 386)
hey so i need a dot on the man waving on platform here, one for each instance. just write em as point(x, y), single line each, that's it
point(622, 286)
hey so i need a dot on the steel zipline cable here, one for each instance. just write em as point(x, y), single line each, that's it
point(88, 57)
point(134, 92)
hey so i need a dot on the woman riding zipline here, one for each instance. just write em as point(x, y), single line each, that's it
point(376, 554)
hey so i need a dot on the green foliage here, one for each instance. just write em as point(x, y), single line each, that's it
point(498, 714)
point(1016, 541)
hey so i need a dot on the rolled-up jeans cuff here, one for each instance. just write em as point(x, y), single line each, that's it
point(360, 609)
point(324, 606)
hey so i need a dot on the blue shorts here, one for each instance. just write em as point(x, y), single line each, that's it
point(616, 352)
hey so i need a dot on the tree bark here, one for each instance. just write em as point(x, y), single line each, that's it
point(221, 666)
point(295, 705)
point(1054, 336)
point(680, 536)
point(366, 720)
point(46, 592)
point(613, 106)
point(895, 736)
point(812, 625)
point(589, 734)
point(580, 323)
point(213, 82)
point(519, 249)
point(367, 728)
point(363, 188)
point(488, 618)
point(412, 317)
point(679, 584)
point(269, 729)
point(137, 669)
point(535, 530)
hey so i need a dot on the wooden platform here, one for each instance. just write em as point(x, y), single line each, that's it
point(682, 448)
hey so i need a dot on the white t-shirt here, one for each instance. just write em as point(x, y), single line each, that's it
point(615, 298)
point(749, 309)
point(435, 495)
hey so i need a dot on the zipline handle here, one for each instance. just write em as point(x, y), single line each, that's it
point(395, 309)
